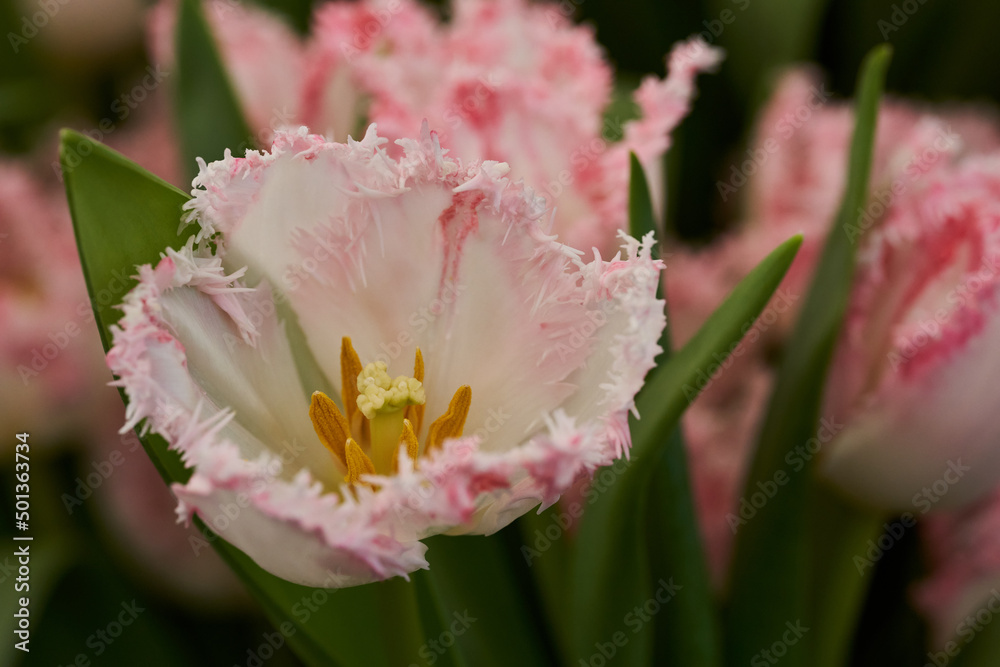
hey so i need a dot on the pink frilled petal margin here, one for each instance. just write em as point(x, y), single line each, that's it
point(555, 348)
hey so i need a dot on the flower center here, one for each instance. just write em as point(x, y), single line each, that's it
point(383, 416)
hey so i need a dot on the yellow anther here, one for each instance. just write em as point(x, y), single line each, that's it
point(377, 392)
point(331, 426)
point(358, 463)
point(415, 413)
point(350, 368)
point(409, 438)
point(451, 423)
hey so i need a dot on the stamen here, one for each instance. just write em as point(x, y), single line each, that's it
point(451, 423)
point(350, 368)
point(358, 462)
point(415, 413)
point(409, 438)
point(377, 392)
point(331, 426)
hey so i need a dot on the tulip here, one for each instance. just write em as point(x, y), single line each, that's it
point(913, 375)
point(279, 363)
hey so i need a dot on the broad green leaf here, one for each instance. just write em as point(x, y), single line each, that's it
point(482, 597)
point(688, 631)
point(208, 112)
point(125, 216)
point(776, 549)
point(545, 549)
point(611, 569)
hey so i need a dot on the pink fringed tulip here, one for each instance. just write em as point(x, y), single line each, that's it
point(508, 80)
point(914, 375)
point(789, 181)
point(527, 358)
point(505, 80)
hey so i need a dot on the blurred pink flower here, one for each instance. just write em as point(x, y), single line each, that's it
point(420, 253)
point(913, 376)
point(54, 386)
point(50, 347)
point(790, 181)
point(262, 55)
point(510, 81)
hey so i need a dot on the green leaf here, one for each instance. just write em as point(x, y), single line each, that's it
point(776, 550)
point(641, 217)
point(208, 113)
point(480, 593)
point(125, 216)
point(545, 548)
point(611, 566)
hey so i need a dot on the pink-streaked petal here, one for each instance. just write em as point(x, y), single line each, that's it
point(417, 251)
